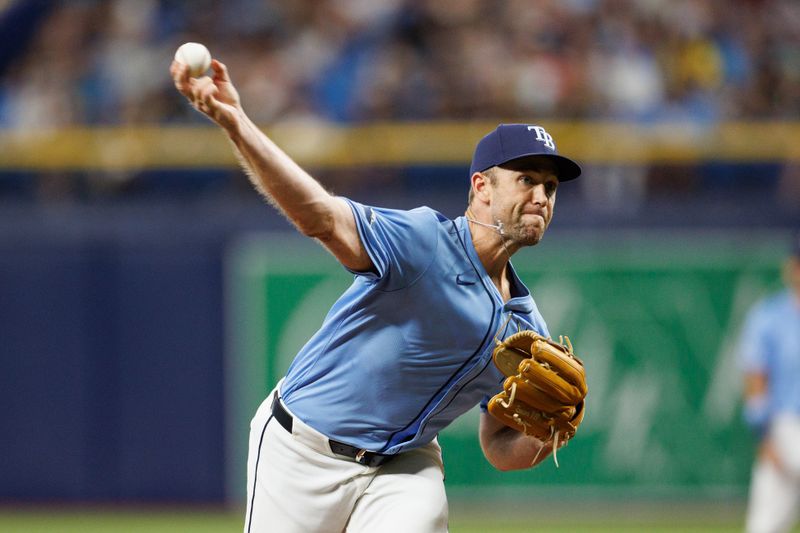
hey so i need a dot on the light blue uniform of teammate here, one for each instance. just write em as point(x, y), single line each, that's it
point(770, 358)
point(770, 346)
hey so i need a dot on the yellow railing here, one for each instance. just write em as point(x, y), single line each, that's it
point(386, 144)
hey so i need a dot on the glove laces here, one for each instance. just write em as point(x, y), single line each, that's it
point(554, 436)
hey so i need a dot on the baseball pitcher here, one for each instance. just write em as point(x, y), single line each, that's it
point(435, 322)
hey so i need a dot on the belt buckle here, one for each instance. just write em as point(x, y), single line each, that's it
point(360, 456)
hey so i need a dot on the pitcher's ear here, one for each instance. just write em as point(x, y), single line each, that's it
point(481, 186)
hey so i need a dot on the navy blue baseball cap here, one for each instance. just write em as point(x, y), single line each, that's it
point(509, 142)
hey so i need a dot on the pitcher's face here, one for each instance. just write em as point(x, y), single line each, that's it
point(523, 199)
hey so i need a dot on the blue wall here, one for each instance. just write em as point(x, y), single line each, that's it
point(111, 353)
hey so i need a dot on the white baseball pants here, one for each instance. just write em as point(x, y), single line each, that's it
point(775, 488)
point(296, 484)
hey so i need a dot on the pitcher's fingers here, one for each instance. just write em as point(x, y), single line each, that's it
point(179, 72)
point(200, 85)
point(220, 71)
point(180, 77)
point(173, 70)
point(208, 94)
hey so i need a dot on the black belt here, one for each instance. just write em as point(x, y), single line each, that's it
point(339, 448)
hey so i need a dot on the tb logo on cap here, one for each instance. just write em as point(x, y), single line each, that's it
point(543, 136)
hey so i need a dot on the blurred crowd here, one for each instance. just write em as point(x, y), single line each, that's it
point(106, 61)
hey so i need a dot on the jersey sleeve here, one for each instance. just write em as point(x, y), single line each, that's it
point(401, 244)
point(754, 342)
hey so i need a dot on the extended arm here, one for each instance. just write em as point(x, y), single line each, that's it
point(313, 210)
point(757, 414)
point(507, 449)
point(756, 408)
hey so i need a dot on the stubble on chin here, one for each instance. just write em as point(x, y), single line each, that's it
point(527, 235)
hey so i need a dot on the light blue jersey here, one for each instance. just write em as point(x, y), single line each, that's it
point(771, 345)
point(407, 349)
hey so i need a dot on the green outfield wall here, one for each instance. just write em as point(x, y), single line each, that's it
point(654, 316)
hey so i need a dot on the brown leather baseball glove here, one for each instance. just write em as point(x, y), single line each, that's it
point(544, 392)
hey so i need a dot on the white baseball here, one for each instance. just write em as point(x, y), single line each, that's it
point(196, 56)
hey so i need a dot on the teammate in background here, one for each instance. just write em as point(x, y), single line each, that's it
point(770, 357)
point(347, 440)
